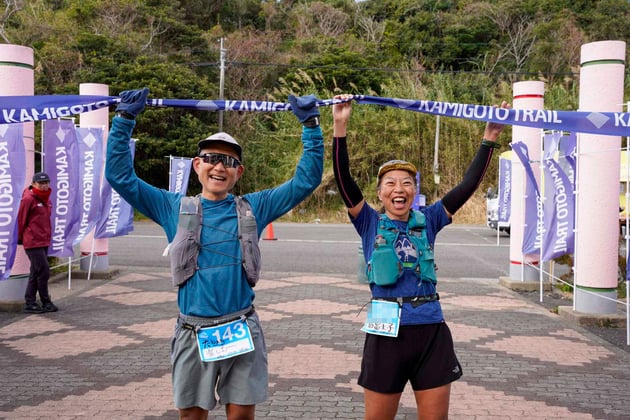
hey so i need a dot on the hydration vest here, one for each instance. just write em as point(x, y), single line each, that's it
point(184, 250)
point(384, 267)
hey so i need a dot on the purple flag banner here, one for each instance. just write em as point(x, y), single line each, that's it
point(566, 158)
point(14, 109)
point(90, 173)
point(12, 177)
point(61, 163)
point(116, 214)
point(505, 191)
point(559, 212)
point(179, 174)
point(532, 235)
point(551, 143)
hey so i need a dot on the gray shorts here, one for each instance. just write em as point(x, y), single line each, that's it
point(241, 380)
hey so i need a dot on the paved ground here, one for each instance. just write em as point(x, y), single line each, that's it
point(553, 299)
point(104, 355)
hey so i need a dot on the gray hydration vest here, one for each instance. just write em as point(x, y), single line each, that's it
point(184, 249)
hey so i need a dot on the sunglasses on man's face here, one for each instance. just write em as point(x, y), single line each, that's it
point(214, 158)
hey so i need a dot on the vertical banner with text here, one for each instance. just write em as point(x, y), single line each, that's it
point(505, 191)
point(559, 202)
point(179, 174)
point(90, 173)
point(12, 177)
point(61, 163)
point(116, 214)
point(566, 159)
point(532, 235)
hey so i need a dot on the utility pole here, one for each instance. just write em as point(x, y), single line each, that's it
point(221, 83)
point(436, 149)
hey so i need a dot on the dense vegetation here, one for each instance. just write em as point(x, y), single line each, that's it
point(449, 50)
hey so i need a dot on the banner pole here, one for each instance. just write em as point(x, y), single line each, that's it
point(170, 171)
point(577, 231)
point(91, 259)
point(498, 230)
point(627, 235)
point(541, 219)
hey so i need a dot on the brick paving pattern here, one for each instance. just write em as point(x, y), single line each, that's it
point(104, 355)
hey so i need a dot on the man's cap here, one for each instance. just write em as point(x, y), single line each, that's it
point(393, 165)
point(224, 138)
point(41, 177)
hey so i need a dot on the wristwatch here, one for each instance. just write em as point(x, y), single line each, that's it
point(312, 122)
point(125, 115)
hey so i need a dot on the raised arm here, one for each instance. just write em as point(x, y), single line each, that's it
point(153, 202)
point(274, 202)
point(455, 198)
point(350, 192)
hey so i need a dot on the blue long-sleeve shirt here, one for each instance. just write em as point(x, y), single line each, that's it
point(219, 287)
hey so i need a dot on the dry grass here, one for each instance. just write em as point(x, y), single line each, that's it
point(473, 212)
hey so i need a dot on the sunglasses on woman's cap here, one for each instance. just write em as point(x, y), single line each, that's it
point(214, 158)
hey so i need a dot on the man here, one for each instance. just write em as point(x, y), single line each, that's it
point(34, 233)
point(218, 345)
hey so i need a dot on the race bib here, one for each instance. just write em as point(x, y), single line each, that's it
point(224, 341)
point(383, 318)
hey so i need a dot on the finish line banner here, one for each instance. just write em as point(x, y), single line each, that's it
point(15, 109)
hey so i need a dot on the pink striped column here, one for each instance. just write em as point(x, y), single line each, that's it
point(526, 95)
point(98, 118)
point(602, 66)
point(17, 79)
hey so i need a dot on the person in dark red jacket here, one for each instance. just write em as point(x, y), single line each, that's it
point(34, 233)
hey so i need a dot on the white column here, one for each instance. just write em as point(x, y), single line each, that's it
point(526, 95)
point(17, 78)
point(98, 118)
point(597, 202)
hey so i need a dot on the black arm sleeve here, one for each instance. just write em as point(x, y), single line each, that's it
point(455, 198)
point(350, 192)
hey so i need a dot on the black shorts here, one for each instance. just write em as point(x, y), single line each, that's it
point(421, 354)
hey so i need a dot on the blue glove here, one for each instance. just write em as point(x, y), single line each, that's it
point(132, 102)
point(304, 107)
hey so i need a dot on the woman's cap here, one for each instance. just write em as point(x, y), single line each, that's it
point(394, 165)
point(224, 138)
point(41, 177)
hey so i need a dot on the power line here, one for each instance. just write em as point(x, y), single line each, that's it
point(378, 69)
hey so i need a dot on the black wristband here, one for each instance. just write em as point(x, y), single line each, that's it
point(350, 192)
point(457, 197)
point(490, 143)
point(312, 122)
point(125, 115)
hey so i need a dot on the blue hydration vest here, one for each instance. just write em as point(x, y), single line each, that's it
point(384, 267)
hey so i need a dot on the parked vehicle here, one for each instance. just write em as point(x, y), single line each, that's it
point(492, 211)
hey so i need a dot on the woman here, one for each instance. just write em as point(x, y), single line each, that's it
point(407, 338)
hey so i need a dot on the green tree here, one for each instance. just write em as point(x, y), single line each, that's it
point(449, 50)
